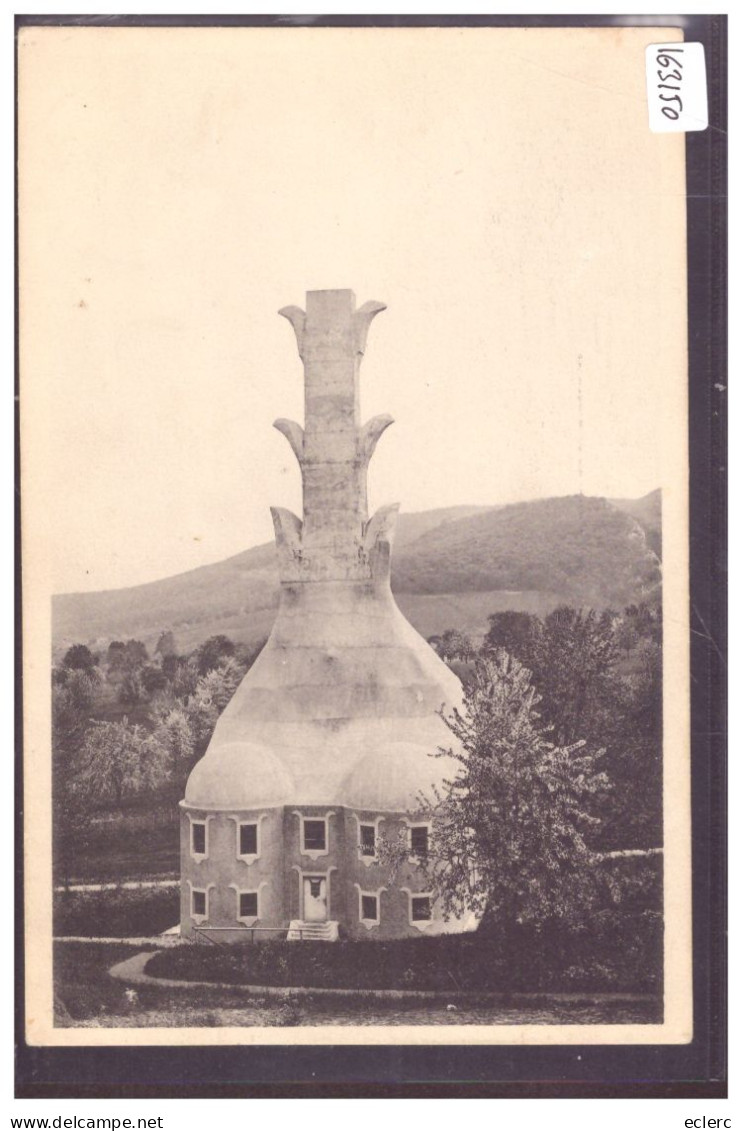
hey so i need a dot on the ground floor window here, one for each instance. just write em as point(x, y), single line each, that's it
point(199, 904)
point(248, 904)
point(421, 909)
point(369, 907)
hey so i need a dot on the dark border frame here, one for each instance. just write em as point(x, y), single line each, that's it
point(697, 1070)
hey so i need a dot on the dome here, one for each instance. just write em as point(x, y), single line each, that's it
point(239, 775)
point(393, 778)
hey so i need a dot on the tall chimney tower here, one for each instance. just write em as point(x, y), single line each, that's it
point(332, 736)
point(335, 540)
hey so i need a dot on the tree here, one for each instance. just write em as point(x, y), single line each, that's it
point(166, 645)
point(72, 706)
point(213, 692)
point(119, 761)
point(79, 657)
point(182, 675)
point(454, 645)
point(509, 833)
point(514, 632)
point(602, 682)
point(175, 735)
point(116, 655)
point(633, 736)
point(136, 653)
point(153, 679)
point(213, 652)
point(131, 688)
point(572, 663)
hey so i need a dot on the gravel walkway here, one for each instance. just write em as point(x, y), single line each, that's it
point(130, 885)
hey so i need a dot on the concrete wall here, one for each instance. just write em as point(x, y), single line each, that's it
point(342, 706)
point(279, 871)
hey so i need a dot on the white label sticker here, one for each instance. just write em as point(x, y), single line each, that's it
point(676, 87)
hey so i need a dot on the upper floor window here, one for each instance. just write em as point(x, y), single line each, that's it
point(419, 840)
point(315, 835)
point(368, 840)
point(198, 838)
point(248, 839)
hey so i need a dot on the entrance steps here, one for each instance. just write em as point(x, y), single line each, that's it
point(312, 932)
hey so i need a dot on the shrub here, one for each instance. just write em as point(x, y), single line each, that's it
point(618, 955)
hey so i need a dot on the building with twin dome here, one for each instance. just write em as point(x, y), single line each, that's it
point(329, 741)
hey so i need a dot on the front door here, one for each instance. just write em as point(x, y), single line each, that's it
point(315, 899)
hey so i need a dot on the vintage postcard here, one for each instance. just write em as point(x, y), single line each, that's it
point(356, 667)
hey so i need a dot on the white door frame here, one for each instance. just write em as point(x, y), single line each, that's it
point(311, 874)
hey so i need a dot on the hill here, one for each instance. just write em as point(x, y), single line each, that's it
point(648, 513)
point(451, 567)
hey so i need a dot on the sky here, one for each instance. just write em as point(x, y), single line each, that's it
point(498, 189)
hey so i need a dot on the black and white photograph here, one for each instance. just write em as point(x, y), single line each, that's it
point(354, 445)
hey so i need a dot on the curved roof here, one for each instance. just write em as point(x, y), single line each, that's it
point(393, 778)
point(239, 775)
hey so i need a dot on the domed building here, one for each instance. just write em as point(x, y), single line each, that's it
point(329, 741)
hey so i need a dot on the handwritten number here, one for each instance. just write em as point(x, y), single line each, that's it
point(665, 60)
point(670, 67)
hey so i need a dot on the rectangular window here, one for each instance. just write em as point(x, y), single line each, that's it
point(198, 902)
point(248, 904)
point(369, 907)
point(368, 840)
point(198, 838)
point(420, 908)
point(419, 840)
point(314, 836)
point(248, 840)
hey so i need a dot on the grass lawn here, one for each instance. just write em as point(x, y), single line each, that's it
point(86, 996)
point(615, 956)
point(126, 845)
point(116, 913)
